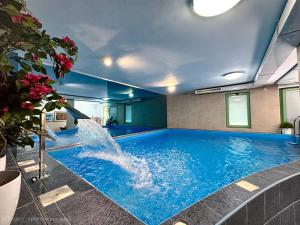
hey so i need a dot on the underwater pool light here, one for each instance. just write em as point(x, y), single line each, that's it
point(208, 8)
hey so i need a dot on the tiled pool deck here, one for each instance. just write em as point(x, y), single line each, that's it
point(89, 206)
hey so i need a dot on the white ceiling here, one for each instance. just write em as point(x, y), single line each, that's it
point(158, 43)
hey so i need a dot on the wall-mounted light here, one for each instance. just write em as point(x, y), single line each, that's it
point(107, 61)
point(233, 75)
point(208, 8)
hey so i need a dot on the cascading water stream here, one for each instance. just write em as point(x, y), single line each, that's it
point(97, 143)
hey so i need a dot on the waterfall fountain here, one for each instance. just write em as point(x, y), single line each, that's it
point(97, 143)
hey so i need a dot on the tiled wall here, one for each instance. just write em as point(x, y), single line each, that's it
point(279, 205)
point(209, 111)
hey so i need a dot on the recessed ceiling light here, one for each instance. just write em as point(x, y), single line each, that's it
point(208, 8)
point(171, 89)
point(233, 75)
point(105, 98)
point(107, 61)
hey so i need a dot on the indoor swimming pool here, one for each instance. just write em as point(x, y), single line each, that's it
point(160, 173)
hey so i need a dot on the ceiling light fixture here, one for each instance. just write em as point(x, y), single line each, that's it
point(171, 89)
point(131, 95)
point(105, 98)
point(107, 61)
point(208, 8)
point(233, 75)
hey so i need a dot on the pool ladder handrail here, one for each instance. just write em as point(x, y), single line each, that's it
point(295, 136)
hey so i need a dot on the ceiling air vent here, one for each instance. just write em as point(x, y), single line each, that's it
point(207, 90)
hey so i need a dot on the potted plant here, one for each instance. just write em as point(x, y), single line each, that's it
point(2, 152)
point(286, 128)
point(25, 88)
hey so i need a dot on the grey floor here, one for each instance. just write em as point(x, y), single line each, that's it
point(85, 206)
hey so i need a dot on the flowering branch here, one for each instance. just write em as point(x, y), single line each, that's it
point(22, 91)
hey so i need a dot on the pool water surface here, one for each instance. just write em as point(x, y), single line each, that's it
point(174, 168)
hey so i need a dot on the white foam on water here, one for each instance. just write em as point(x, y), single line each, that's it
point(93, 135)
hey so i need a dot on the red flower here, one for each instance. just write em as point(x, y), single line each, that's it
point(27, 106)
point(17, 19)
point(38, 91)
point(32, 79)
point(69, 41)
point(23, 17)
point(65, 63)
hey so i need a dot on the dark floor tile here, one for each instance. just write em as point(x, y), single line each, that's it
point(287, 169)
point(274, 221)
point(239, 217)
point(28, 215)
point(256, 210)
point(295, 164)
point(297, 212)
point(37, 187)
point(287, 216)
point(222, 202)
point(55, 216)
point(289, 191)
point(25, 196)
point(197, 214)
point(58, 177)
point(259, 180)
point(272, 202)
point(94, 208)
point(273, 174)
point(238, 192)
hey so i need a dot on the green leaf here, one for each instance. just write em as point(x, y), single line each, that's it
point(11, 10)
point(50, 106)
point(35, 120)
point(4, 63)
point(43, 70)
point(27, 125)
point(36, 68)
point(24, 96)
point(36, 112)
point(25, 67)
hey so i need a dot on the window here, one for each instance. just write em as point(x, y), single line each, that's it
point(128, 114)
point(238, 110)
point(289, 104)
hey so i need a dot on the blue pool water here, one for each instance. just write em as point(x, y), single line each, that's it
point(117, 130)
point(185, 166)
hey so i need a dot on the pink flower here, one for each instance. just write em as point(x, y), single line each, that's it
point(65, 63)
point(17, 19)
point(32, 79)
point(25, 17)
point(69, 41)
point(27, 106)
point(38, 91)
point(25, 83)
point(5, 109)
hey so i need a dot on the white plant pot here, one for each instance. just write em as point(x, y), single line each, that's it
point(286, 130)
point(10, 185)
point(2, 162)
